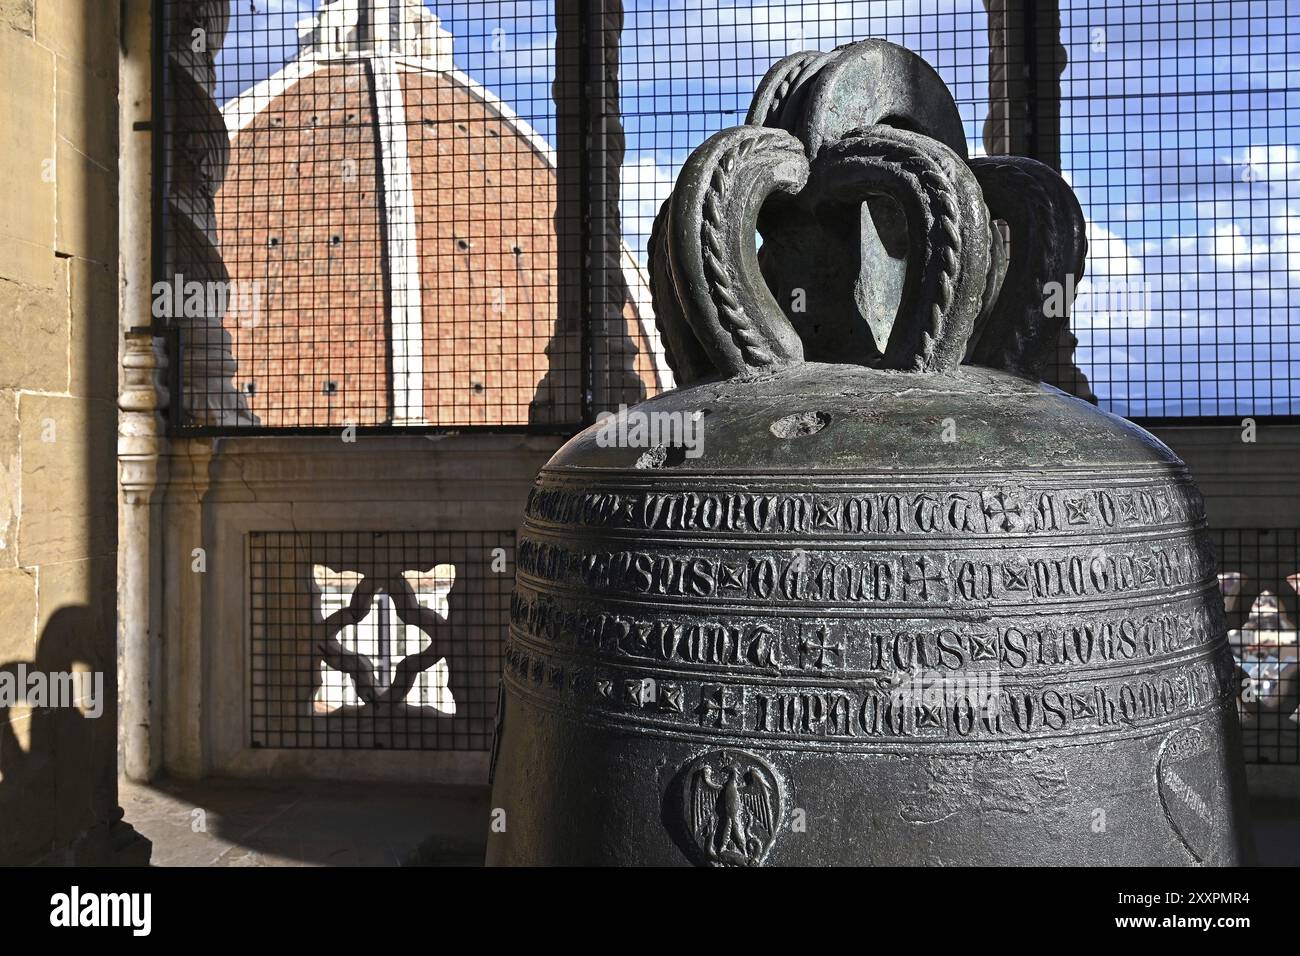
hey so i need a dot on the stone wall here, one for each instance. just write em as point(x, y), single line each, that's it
point(58, 383)
point(218, 496)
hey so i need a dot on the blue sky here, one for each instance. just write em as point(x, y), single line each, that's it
point(1181, 135)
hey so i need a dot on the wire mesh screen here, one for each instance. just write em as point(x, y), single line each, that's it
point(377, 640)
point(375, 214)
point(435, 214)
point(689, 69)
point(1180, 132)
point(1259, 572)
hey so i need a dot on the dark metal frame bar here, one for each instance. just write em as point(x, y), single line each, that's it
point(585, 285)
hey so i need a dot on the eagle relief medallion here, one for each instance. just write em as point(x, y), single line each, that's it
point(731, 808)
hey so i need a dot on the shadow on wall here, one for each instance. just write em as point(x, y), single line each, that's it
point(58, 791)
point(58, 761)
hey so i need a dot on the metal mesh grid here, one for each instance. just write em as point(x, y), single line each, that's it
point(344, 655)
point(382, 208)
point(689, 69)
point(427, 223)
point(1180, 132)
point(1259, 572)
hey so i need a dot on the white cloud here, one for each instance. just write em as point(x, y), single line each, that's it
point(1115, 292)
point(1229, 246)
point(644, 185)
point(1109, 255)
point(1269, 163)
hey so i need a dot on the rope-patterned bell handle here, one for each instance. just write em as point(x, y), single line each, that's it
point(948, 236)
point(705, 260)
point(826, 134)
point(1018, 333)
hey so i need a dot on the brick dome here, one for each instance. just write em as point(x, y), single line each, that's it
point(397, 220)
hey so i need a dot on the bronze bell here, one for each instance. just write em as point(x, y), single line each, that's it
point(880, 596)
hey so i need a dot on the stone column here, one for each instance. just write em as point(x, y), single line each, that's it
point(614, 378)
point(1006, 125)
point(142, 400)
point(1026, 60)
point(197, 150)
point(141, 444)
point(589, 147)
point(187, 596)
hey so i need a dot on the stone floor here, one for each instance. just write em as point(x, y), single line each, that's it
point(316, 823)
point(308, 823)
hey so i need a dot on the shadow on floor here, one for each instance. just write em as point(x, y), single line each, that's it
point(308, 823)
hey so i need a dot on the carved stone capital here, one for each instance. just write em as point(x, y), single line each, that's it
point(141, 433)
